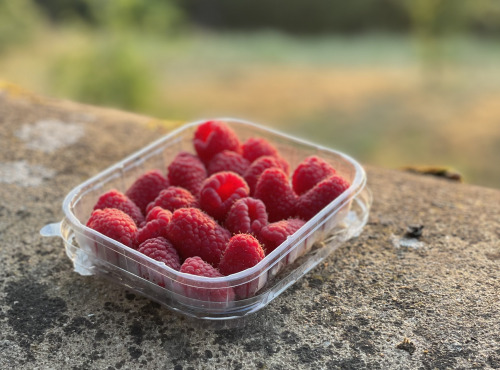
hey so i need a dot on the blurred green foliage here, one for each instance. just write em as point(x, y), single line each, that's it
point(159, 17)
point(64, 11)
point(433, 22)
point(153, 16)
point(113, 69)
point(437, 18)
point(340, 16)
point(484, 16)
point(19, 20)
point(111, 72)
point(293, 16)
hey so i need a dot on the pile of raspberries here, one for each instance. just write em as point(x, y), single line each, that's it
point(218, 212)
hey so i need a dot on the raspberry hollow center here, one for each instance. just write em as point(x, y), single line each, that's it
point(204, 131)
point(253, 212)
point(227, 189)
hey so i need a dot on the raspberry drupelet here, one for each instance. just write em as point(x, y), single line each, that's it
point(256, 147)
point(309, 172)
point(194, 233)
point(228, 161)
point(146, 188)
point(272, 235)
point(247, 216)
point(220, 191)
point(256, 169)
point(160, 249)
point(118, 200)
point(188, 172)
point(115, 224)
point(326, 191)
point(196, 266)
point(155, 226)
point(172, 198)
point(275, 191)
point(213, 137)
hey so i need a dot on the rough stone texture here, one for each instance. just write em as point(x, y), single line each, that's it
point(378, 302)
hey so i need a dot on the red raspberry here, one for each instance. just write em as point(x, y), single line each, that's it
point(256, 147)
point(213, 137)
point(220, 191)
point(242, 252)
point(194, 233)
point(156, 226)
point(275, 191)
point(146, 188)
point(309, 172)
point(320, 196)
point(159, 213)
point(160, 249)
point(172, 198)
point(228, 161)
point(115, 224)
point(272, 235)
point(260, 165)
point(188, 172)
point(196, 266)
point(118, 200)
point(247, 215)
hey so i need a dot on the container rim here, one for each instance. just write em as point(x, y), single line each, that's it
point(357, 185)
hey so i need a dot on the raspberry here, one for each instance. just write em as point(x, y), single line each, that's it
point(220, 191)
point(213, 137)
point(146, 188)
point(157, 213)
point(156, 226)
point(309, 172)
point(272, 235)
point(160, 249)
point(196, 266)
point(194, 233)
point(320, 195)
point(242, 252)
point(115, 224)
point(256, 147)
point(115, 199)
point(188, 172)
point(172, 198)
point(256, 169)
point(247, 215)
point(228, 161)
point(275, 191)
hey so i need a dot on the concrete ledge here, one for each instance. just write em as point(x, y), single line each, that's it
point(380, 302)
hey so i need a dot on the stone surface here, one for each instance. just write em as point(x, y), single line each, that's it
point(381, 301)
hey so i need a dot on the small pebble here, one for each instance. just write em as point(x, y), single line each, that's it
point(414, 231)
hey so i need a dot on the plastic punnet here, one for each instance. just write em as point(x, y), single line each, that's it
point(95, 254)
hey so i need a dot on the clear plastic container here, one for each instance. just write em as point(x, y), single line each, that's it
point(95, 254)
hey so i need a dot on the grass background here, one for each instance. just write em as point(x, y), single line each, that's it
point(388, 99)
